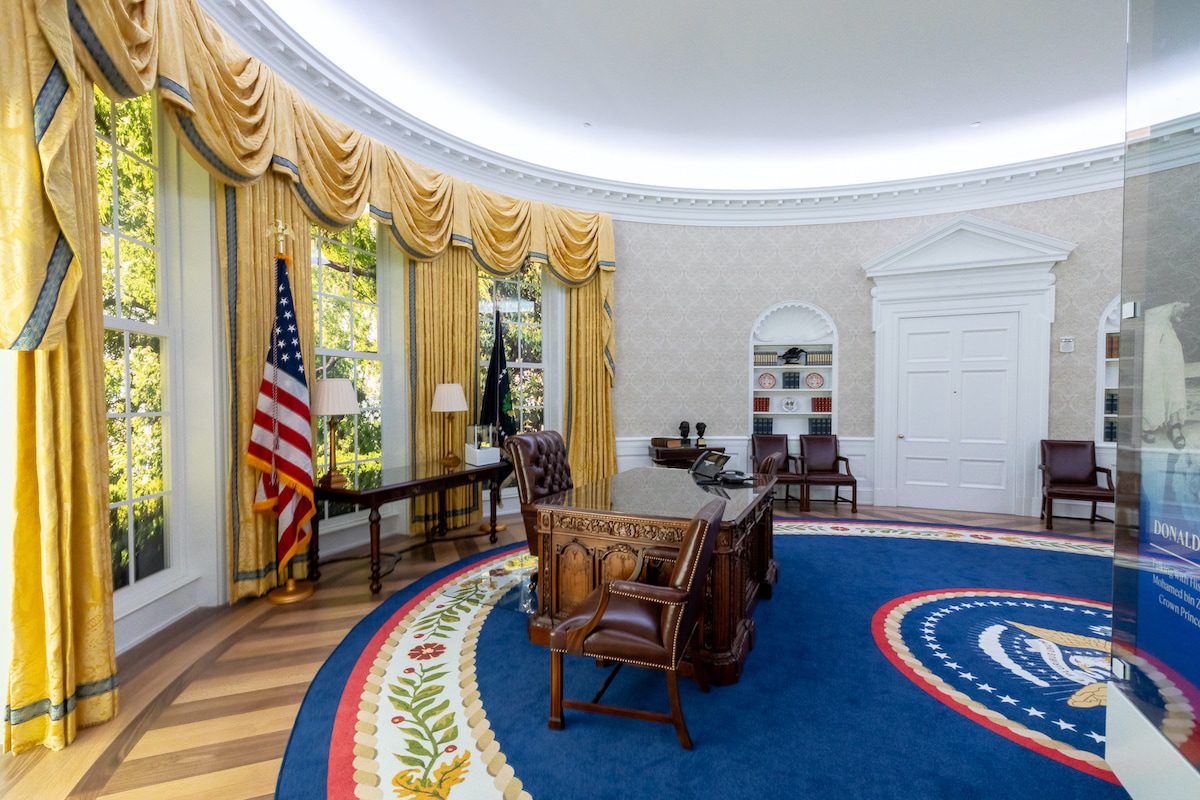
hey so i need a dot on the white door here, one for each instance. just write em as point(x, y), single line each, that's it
point(957, 415)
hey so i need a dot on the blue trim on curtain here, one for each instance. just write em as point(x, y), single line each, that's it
point(38, 708)
point(34, 331)
point(302, 192)
point(174, 88)
point(207, 153)
point(49, 98)
point(91, 42)
point(412, 361)
point(570, 374)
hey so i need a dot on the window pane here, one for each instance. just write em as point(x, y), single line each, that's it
point(364, 278)
point(369, 474)
point(335, 318)
point(336, 272)
point(139, 281)
point(370, 435)
point(487, 329)
point(149, 540)
point(532, 419)
point(531, 343)
point(135, 126)
point(369, 381)
point(103, 112)
point(531, 303)
point(135, 198)
point(512, 350)
point(362, 234)
point(118, 468)
point(114, 371)
point(118, 526)
point(338, 367)
point(145, 372)
point(104, 185)
point(345, 444)
point(108, 273)
point(366, 328)
point(146, 442)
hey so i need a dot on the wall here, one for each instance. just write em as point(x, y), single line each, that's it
point(687, 297)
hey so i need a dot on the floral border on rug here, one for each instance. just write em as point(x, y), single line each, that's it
point(1033, 541)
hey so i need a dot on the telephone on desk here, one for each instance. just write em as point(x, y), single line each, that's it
point(707, 470)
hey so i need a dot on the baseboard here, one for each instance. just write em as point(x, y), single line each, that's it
point(139, 624)
point(1147, 764)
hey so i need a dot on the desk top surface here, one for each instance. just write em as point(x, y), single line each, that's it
point(409, 475)
point(660, 492)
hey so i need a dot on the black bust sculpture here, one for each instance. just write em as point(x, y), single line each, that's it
point(684, 429)
point(700, 428)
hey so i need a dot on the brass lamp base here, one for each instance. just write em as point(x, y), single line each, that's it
point(333, 480)
point(500, 526)
point(292, 592)
point(450, 460)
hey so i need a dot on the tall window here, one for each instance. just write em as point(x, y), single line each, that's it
point(346, 315)
point(519, 298)
point(134, 338)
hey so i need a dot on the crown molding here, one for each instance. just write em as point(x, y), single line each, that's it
point(256, 27)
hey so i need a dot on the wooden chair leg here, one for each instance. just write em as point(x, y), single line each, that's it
point(1049, 514)
point(556, 689)
point(1042, 511)
point(677, 710)
point(1093, 519)
point(854, 498)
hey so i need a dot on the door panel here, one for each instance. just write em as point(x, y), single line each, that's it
point(957, 414)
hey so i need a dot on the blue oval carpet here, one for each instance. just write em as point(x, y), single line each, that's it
point(894, 661)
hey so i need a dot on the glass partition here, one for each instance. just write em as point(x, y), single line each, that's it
point(1156, 620)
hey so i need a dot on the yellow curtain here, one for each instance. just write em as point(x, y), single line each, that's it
point(443, 347)
point(247, 255)
point(40, 229)
point(591, 439)
point(63, 669)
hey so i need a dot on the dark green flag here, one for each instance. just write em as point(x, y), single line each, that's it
point(496, 408)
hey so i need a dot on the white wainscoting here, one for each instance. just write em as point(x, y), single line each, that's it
point(634, 451)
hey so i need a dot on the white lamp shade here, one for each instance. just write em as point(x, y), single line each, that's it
point(335, 397)
point(449, 397)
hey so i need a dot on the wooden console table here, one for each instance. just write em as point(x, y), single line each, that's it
point(679, 457)
point(593, 533)
point(401, 483)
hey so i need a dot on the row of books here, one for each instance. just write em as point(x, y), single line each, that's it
point(1112, 345)
point(765, 359)
point(1110, 402)
point(762, 404)
point(1110, 430)
point(764, 425)
point(767, 425)
point(822, 404)
point(820, 426)
point(818, 359)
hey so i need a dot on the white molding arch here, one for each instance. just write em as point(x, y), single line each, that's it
point(967, 266)
point(257, 28)
point(793, 322)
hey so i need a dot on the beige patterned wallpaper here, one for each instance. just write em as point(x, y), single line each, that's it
point(687, 298)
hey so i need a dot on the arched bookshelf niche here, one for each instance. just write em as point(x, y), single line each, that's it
point(793, 372)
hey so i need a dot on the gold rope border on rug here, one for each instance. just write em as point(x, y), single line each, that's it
point(891, 628)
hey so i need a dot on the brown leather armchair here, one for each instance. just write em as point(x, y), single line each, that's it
point(787, 472)
point(540, 463)
point(1069, 472)
point(631, 622)
point(819, 467)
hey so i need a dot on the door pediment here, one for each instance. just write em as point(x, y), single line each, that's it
point(971, 246)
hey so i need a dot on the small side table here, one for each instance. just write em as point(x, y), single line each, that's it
point(679, 457)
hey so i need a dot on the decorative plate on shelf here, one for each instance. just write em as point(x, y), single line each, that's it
point(814, 380)
point(766, 380)
point(790, 404)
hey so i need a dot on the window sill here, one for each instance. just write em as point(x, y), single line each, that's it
point(130, 599)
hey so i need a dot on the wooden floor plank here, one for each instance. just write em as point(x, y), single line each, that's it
point(186, 735)
point(245, 682)
point(239, 783)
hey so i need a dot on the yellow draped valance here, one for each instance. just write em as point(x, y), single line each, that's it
point(240, 120)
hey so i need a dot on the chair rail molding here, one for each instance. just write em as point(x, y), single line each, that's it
point(258, 29)
point(967, 266)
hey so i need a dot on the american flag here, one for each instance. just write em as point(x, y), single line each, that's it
point(281, 439)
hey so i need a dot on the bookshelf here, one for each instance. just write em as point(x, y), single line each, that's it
point(793, 375)
point(1107, 373)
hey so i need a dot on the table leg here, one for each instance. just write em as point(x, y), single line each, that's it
point(314, 550)
point(374, 519)
point(495, 492)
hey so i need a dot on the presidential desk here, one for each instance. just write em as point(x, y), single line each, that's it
point(401, 483)
point(593, 533)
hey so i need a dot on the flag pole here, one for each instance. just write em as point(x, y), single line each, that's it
point(292, 591)
point(500, 526)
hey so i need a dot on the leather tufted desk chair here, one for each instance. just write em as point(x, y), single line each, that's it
point(631, 622)
point(819, 461)
point(1069, 472)
point(765, 445)
point(539, 460)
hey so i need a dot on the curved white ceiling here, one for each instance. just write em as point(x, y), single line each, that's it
point(761, 94)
